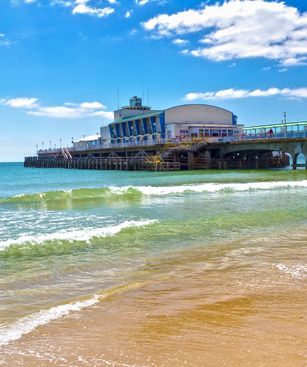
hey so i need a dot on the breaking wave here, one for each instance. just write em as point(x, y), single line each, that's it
point(29, 323)
point(131, 193)
point(68, 198)
point(82, 235)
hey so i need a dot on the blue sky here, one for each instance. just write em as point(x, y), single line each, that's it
point(62, 62)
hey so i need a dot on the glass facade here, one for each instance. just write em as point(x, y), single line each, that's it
point(143, 128)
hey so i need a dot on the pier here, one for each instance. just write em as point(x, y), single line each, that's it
point(184, 137)
point(244, 152)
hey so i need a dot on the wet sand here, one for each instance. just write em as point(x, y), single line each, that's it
point(233, 307)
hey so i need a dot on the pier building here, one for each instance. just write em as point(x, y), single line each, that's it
point(138, 124)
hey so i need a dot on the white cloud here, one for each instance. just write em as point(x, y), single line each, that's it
point(65, 3)
point(57, 112)
point(145, 2)
point(244, 93)
point(239, 29)
point(93, 105)
point(180, 42)
point(22, 102)
point(3, 40)
point(67, 110)
point(19, 2)
point(128, 13)
point(142, 2)
point(86, 7)
point(82, 7)
point(104, 114)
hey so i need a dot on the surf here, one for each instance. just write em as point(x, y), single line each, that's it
point(82, 235)
point(69, 198)
point(29, 323)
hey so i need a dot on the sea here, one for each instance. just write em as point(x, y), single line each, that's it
point(117, 268)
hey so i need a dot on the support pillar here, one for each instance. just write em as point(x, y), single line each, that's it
point(190, 160)
point(294, 162)
point(208, 158)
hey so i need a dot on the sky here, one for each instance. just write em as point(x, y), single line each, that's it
point(63, 63)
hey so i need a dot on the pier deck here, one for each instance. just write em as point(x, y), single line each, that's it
point(244, 154)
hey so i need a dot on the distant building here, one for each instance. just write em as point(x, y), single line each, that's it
point(137, 123)
point(91, 141)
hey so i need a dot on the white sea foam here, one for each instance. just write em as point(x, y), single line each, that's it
point(295, 271)
point(179, 189)
point(211, 187)
point(29, 323)
point(85, 234)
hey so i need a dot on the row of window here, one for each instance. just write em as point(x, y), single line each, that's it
point(209, 132)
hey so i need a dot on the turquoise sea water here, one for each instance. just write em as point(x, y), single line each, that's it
point(67, 236)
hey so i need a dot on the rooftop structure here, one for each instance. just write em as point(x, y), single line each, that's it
point(135, 108)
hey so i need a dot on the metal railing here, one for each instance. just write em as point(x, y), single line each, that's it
point(218, 139)
point(129, 144)
point(279, 135)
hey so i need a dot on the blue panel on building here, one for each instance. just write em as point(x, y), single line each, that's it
point(153, 124)
point(145, 125)
point(112, 132)
point(162, 124)
point(130, 128)
point(137, 126)
point(234, 119)
point(124, 130)
point(117, 128)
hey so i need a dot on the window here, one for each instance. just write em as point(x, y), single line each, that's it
point(184, 132)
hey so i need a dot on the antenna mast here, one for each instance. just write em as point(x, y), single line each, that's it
point(118, 99)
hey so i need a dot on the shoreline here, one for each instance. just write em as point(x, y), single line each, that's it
point(194, 307)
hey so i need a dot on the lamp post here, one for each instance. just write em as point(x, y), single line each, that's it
point(285, 122)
